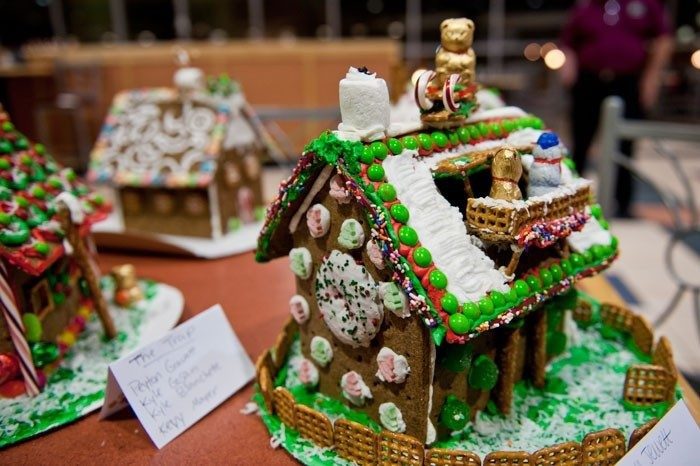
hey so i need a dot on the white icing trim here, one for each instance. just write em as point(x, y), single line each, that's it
point(77, 215)
point(214, 211)
point(470, 272)
point(496, 113)
point(315, 189)
point(431, 435)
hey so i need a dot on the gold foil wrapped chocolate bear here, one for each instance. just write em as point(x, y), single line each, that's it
point(126, 287)
point(455, 54)
point(446, 95)
point(506, 170)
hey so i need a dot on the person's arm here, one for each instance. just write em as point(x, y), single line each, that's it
point(660, 50)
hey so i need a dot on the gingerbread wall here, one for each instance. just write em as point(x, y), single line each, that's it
point(144, 215)
point(518, 353)
point(234, 173)
point(405, 336)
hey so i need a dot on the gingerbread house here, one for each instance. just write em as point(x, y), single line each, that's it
point(185, 160)
point(48, 281)
point(432, 268)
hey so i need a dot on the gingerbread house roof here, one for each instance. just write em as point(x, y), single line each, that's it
point(153, 137)
point(31, 237)
point(436, 256)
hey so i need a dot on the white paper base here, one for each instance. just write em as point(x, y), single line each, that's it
point(111, 233)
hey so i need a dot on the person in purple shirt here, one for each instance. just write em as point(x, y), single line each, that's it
point(613, 47)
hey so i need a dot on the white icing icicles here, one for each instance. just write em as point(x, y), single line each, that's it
point(299, 308)
point(354, 388)
point(318, 219)
point(393, 367)
point(348, 299)
point(364, 105)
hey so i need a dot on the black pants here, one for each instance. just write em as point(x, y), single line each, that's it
point(587, 96)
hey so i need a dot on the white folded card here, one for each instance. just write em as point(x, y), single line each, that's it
point(672, 442)
point(175, 381)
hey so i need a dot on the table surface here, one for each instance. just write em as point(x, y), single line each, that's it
point(254, 297)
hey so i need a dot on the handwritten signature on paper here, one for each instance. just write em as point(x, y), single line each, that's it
point(655, 450)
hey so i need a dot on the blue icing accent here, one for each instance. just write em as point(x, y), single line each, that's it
point(547, 140)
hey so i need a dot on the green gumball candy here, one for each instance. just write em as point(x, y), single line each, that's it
point(459, 323)
point(33, 329)
point(483, 374)
point(471, 310)
point(454, 413)
point(521, 288)
point(449, 303)
point(546, 277)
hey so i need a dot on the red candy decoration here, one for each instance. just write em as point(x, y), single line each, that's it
point(9, 367)
point(12, 389)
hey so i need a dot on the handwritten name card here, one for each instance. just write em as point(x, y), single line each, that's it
point(178, 379)
point(672, 442)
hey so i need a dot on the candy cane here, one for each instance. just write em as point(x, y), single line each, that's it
point(419, 91)
point(16, 327)
point(448, 93)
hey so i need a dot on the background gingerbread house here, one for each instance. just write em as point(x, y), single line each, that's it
point(185, 160)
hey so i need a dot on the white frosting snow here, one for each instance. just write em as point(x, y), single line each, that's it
point(496, 113)
point(591, 234)
point(364, 105)
point(488, 100)
point(470, 272)
point(522, 138)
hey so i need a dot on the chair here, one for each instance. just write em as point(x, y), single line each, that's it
point(615, 128)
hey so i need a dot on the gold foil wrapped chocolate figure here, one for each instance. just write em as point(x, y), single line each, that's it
point(506, 171)
point(455, 54)
point(447, 95)
point(126, 286)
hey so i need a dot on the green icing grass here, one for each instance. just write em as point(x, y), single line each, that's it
point(582, 394)
point(77, 386)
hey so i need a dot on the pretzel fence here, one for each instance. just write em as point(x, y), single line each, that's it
point(503, 220)
point(644, 384)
